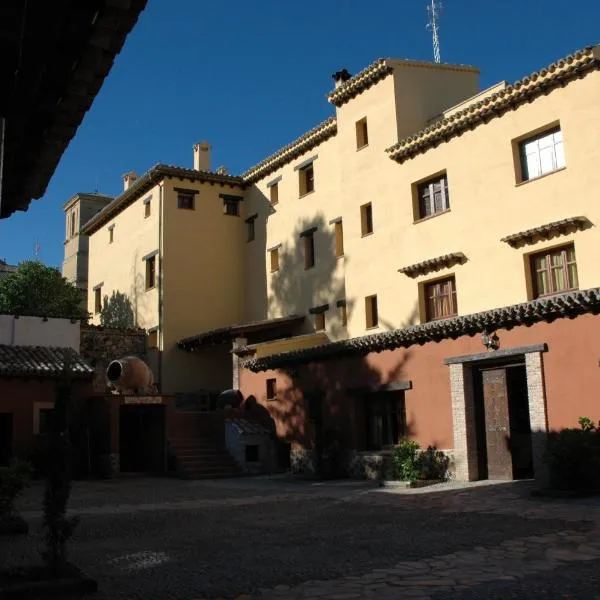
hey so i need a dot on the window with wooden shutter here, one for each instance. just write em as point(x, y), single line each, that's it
point(306, 179)
point(554, 271)
point(274, 257)
point(274, 193)
point(440, 299)
point(366, 219)
point(371, 312)
point(309, 251)
point(339, 239)
point(433, 197)
point(362, 134)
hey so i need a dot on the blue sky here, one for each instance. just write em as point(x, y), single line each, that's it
point(251, 75)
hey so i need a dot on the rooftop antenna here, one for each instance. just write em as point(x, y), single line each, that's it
point(434, 9)
point(36, 250)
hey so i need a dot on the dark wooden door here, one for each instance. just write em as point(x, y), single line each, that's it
point(497, 424)
point(6, 438)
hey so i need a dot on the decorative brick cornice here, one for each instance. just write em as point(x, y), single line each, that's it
point(495, 105)
point(323, 131)
point(363, 80)
point(434, 264)
point(567, 305)
point(146, 182)
point(547, 231)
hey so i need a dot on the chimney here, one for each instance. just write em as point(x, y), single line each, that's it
point(202, 156)
point(340, 77)
point(128, 179)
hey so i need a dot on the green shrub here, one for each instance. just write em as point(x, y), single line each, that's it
point(405, 461)
point(573, 458)
point(433, 464)
point(13, 480)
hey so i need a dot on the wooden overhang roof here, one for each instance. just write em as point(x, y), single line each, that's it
point(568, 305)
point(525, 90)
point(41, 362)
point(226, 334)
point(54, 57)
point(547, 231)
point(309, 140)
point(434, 264)
point(146, 182)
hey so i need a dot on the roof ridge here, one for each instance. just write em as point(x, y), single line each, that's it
point(492, 103)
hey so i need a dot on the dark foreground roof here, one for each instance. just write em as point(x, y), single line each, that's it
point(547, 309)
point(41, 361)
point(54, 57)
point(224, 334)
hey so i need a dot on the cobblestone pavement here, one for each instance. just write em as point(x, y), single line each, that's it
point(263, 538)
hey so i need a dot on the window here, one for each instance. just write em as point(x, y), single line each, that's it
point(185, 200)
point(274, 193)
point(372, 315)
point(274, 255)
point(42, 418)
point(111, 234)
point(320, 321)
point(341, 304)
point(271, 388)
point(362, 134)
point(339, 239)
point(73, 224)
point(440, 299)
point(153, 338)
point(150, 272)
point(433, 197)
point(147, 208)
point(309, 250)
point(554, 271)
point(250, 230)
point(542, 154)
point(366, 219)
point(385, 419)
point(231, 207)
point(306, 179)
point(97, 299)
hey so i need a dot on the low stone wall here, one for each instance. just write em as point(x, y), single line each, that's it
point(100, 345)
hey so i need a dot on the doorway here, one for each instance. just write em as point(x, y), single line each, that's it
point(6, 438)
point(502, 422)
point(142, 438)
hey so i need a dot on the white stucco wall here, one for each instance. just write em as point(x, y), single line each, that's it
point(35, 331)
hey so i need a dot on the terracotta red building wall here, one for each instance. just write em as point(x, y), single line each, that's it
point(571, 372)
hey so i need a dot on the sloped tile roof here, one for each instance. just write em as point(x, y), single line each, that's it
point(363, 80)
point(547, 230)
point(496, 104)
point(41, 361)
point(304, 143)
point(434, 264)
point(567, 305)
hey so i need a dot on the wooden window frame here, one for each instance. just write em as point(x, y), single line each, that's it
point(428, 186)
point(98, 300)
point(339, 238)
point(231, 208)
point(150, 280)
point(366, 219)
point(186, 200)
point(565, 263)
point(319, 321)
point(251, 228)
point(362, 133)
point(274, 194)
point(271, 388)
point(371, 312)
point(306, 179)
point(153, 338)
point(147, 209)
point(274, 258)
point(309, 250)
point(431, 291)
point(341, 304)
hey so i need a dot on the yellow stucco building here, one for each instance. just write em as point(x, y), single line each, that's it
point(422, 198)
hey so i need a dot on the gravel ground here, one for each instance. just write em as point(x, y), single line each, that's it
point(226, 551)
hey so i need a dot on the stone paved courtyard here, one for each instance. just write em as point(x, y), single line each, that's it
point(273, 538)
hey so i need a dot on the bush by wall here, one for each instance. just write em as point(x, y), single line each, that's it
point(411, 463)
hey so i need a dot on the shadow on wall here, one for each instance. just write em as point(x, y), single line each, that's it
point(117, 312)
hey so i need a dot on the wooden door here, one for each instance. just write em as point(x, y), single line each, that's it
point(497, 424)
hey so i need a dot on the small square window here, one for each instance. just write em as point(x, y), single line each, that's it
point(366, 219)
point(150, 272)
point(274, 256)
point(98, 300)
point(371, 312)
point(306, 177)
point(185, 200)
point(309, 250)
point(147, 209)
point(153, 338)
point(554, 271)
point(542, 154)
point(432, 197)
point(339, 239)
point(362, 134)
point(271, 388)
point(274, 193)
point(250, 229)
point(440, 299)
point(320, 321)
point(231, 207)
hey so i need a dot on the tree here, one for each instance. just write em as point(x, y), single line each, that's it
point(37, 290)
point(117, 312)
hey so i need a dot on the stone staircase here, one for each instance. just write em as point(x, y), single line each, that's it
point(203, 457)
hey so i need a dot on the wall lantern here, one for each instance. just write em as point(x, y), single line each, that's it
point(490, 340)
